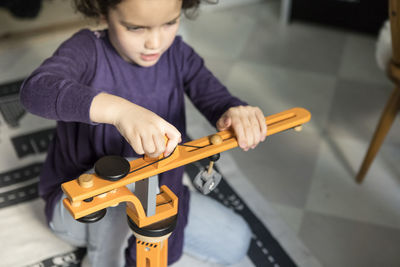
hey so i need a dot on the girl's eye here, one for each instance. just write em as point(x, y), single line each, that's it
point(133, 29)
point(171, 23)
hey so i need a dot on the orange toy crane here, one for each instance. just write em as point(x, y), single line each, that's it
point(152, 215)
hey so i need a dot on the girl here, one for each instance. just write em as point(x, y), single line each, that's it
point(119, 92)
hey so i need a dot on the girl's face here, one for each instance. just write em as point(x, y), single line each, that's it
point(141, 30)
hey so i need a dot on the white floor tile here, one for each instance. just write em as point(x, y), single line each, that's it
point(275, 89)
point(358, 60)
point(291, 215)
point(297, 46)
point(211, 41)
point(335, 192)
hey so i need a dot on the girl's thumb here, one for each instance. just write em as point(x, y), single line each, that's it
point(224, 123)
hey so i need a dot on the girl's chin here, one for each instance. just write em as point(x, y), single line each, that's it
point(146, 63)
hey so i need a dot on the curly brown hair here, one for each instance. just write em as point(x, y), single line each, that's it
point(99, 8)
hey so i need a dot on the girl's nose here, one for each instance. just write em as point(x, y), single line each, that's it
point(153, 40)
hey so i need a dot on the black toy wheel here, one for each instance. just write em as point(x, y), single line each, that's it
point(156, 229)
point(93, 217)
point(112, 168)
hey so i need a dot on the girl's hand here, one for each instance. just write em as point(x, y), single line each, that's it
point(144, 130)
point(248, 124)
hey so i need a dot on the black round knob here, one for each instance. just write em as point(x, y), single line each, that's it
point(214, 157)
point(112, 168)
point(157, 229)
point(93, 217)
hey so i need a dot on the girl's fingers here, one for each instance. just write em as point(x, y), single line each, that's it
point(263, 125)
point(252, 132)
point(255, 131)
point(159, 142)
point(148, 144)
point(136, 144)
point(247, 133)
point(240, 133)
point(174, 137)
point(249, 126)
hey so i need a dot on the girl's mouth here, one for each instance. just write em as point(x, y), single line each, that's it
point(149, 57)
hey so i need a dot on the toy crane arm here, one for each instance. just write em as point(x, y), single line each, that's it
point(143, 168)
point(89, 195)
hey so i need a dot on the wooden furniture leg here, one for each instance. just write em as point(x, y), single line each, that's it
point(381, 131)
point(393, 105)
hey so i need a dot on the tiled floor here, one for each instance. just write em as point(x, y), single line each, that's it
point(308, 176)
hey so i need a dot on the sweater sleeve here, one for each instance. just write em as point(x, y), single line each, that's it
point(58, 88)
point(206, 92)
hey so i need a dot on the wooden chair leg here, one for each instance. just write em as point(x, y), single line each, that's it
point(385, 122)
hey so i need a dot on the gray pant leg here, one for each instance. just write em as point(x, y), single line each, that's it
point(105, 239)
point(215, 233)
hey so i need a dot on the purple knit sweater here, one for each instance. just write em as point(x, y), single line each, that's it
point(63, 87)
